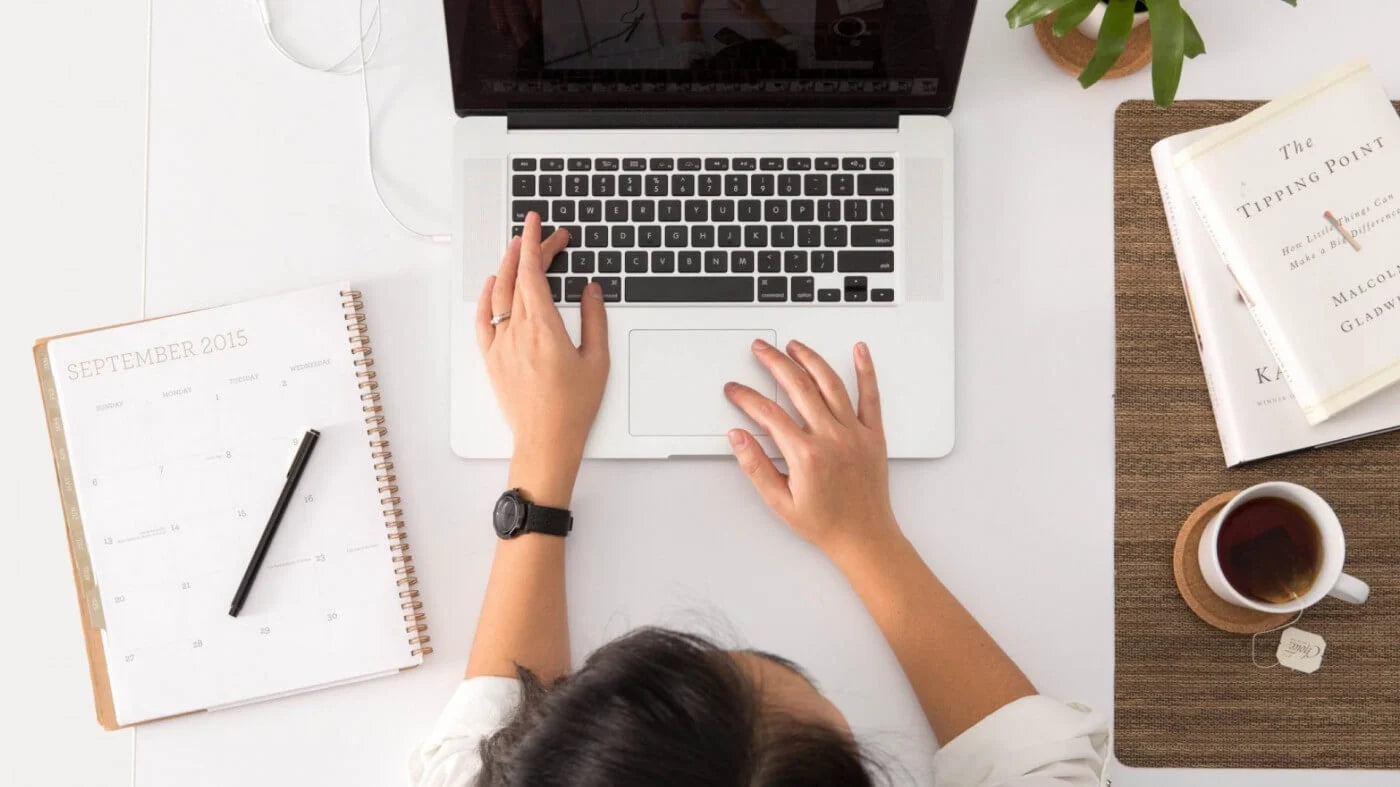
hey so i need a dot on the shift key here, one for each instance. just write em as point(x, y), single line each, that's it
point(865, 261)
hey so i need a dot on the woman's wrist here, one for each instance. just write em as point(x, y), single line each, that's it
point(866, 546)
point(546, 477)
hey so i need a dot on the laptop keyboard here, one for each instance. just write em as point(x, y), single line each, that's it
point(727, 229)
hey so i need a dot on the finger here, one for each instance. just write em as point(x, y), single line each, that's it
point(532, 294)
point(485, 332)
point(771, 485)
point(534, 6)
point(593, 325)
point(503, 294)
point(867, 389)
point(795, 380)
point(828, 381)
point(766, 413)
point(520, 23)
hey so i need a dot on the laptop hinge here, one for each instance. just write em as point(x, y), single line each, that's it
point(700, 118)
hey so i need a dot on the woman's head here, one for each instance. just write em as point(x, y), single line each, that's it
point(658, 707)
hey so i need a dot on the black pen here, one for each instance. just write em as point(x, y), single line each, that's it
point(289, 488)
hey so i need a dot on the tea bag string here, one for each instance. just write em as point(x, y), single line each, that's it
point(1254, 641)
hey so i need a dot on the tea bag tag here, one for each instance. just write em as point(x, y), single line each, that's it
point(1301, 650)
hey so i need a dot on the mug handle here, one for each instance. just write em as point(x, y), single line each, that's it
point(1350, 589)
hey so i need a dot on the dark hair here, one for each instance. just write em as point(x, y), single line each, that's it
point(659, 707)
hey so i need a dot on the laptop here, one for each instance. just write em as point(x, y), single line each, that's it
point(727, 172)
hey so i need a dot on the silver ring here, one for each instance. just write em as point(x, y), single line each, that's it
point(497, 319)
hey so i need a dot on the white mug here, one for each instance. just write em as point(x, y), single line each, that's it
point(1330, 580)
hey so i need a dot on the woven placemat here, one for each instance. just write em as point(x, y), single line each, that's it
point(1186, 694)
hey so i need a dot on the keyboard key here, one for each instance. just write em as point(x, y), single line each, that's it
point(605, 164)
point(882, 295)
point(670, 209)
point(552, 165)
point(556, 288)
point(789, 185)
point(562, 210)
point(875, 185)
point(580, 164)
point(612, 288)
point(853, 163)
point(663, 262)
point(809, 235)
point(722, 210)
point(770, 164)
point(730, 235)
point(688, 262)
point(741, 261)
point(545, 231)
point(772, 289)
point(803, 210)
point(882, 163)
point(634, 164)
point(635, 261)
point(702, 236)
point(834, 235)
point(814, 185)
point(745, 164)
point(716, 262)
point(604, 185)
point(775, 210)
point(610, 262)
point(695, 289)
point(559, 263)
point(682, 185)
point(828, 164)
point(624, 237)
point(795, 262)
point(882, 210)
point(643, 210)
point(615, 210)
point(688, 165)
point(734, 186)
point(716, 164)
point(783, 235)
point(750, 210)
point(803, 289)
point(576, 185)
point(823, 261)
point(649, 236)
point(677, 236)
point(575, 237)
point(595, 236)
point(762, 185)
point(856, 210)
point(799, 164)
point(873, 235)
point(829, 210)
point(697, 210)
point(711, 185)
point(855, 288)
point(523, 164)
point(828, 296)
point(573, 288)
point(522, 186)
point(865, 261)
point(629, 186)
point(581, 262)
point(517, 231)
point(843, 185)
point(590, 210)
point(520, 208)
point(551, 186)
point(656, 185)
point(756, 236)
point(663, 164)
point(770, 262)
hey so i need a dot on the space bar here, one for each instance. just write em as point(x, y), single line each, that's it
point(676, 289)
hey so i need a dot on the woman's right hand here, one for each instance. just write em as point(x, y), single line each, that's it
point(836, 492)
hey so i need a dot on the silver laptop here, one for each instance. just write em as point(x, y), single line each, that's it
point(781, 174)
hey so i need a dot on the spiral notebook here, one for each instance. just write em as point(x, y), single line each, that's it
point(171, 438)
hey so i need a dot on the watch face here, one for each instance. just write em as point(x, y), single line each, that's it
point(509, 514)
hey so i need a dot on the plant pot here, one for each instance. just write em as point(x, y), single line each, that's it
point(1091, 24)
point(1073, 50)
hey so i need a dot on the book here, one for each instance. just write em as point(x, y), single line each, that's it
point(1272, 190)
point(1255, 412)
point(171, 438)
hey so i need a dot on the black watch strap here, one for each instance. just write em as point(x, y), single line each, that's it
point(515, 516)
point(550, 521)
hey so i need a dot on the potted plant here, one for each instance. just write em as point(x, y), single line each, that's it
point(1173, 35)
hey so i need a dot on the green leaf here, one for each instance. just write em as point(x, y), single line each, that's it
point(1072, 14)
point(1168, 25)
point(1293, 3)
point(1192, 44)
point(1027, 11)
point(1113, 37)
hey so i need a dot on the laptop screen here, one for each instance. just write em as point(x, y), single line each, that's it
point(706, 54)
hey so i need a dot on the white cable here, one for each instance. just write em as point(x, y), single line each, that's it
point(339, 67)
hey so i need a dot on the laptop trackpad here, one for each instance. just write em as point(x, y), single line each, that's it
point(676, 380)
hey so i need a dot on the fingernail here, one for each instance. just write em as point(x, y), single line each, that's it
point(759, 344)
point(793, 343)
point(730, 387)
point(737, 438)
point(594, 290)
point(862, 351)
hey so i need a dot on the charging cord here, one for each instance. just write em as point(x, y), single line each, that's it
point(347, 67)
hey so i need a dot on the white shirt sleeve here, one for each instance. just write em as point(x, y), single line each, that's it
point(1032, 742)
point(450, 757)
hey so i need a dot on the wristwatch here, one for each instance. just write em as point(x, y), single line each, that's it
point(516, 516)
point(689, 16)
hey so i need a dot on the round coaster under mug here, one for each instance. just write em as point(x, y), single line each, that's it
point(1192, 584)
point(1073, 50)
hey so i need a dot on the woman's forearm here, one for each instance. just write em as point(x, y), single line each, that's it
point(957, 670)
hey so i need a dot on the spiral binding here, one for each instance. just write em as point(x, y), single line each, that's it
point(415, 620)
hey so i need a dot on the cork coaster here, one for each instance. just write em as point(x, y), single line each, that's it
point(1198, 596)
point(1073, 50)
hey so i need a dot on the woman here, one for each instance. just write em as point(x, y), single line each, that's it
point(663, 708)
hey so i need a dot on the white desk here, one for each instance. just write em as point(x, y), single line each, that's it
point(258, 184)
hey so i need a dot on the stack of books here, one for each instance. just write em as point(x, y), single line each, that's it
point(1286, 225)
